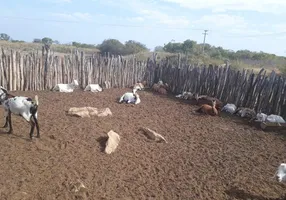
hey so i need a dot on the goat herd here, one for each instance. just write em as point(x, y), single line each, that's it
point(28, 107)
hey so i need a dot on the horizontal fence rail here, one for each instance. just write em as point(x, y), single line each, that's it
point(43, 70)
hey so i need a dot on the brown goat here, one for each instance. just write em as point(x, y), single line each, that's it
point(207, 109)
point(156, 87)
point(162, 90)
point(204, 99)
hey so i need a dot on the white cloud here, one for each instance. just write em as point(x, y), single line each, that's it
point(136, 19)
point(149, 10)
point(222, 21)
point(158, 17)
point(58, 1)
point(267, 6)
point(77, 16)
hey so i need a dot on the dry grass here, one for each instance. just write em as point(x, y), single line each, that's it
point(142, 56)
point(31, 47)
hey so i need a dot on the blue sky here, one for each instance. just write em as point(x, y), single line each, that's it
point(232, 24)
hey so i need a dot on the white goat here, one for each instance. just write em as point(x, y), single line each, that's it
point(281, 172)
point(185, 95)
point(245, 112)
point(66, 87)
point(138, 86)
point(20, 105)
point(93, 88)
point(130, 97)
point(261, 117)
point(230, 108)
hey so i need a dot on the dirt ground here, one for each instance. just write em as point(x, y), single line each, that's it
point(205, 157)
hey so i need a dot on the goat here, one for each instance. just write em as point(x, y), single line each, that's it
point(93, 88)
point(261, 117)
point(162, 90)
point(22, 106)
point(245, 113)
point(130, 97)
point(207, 109)
point(156, 87)
point(229, 107)
point(138, 86)
point(204, 99)
point(281, 173)
point(185, 95)
point(66, 87)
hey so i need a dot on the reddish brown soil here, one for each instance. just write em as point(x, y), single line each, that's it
point(205, 157)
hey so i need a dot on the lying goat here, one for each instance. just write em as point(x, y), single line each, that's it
point(229, 107)
point(185, 95)
point(261, 117)
point(204, 99)
point(66, 87)
point(19, 105)
point(138, 86)
point(93, 88)
point(130, 97)
point(281, 173)
point(207, 109)
point(245, 113)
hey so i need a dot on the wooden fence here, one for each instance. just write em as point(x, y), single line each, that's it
point(42, 70)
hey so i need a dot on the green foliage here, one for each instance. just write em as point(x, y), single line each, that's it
point(4, 36)
point(47, 41)
point(18, 41)
point(159, 49)
point(83, 45)
point(36, 40)
point(114, 46)
point(132, 47)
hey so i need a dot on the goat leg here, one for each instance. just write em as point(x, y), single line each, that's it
point(32, 123)
point(37, 126)
point(6, 122)
point(10, 131)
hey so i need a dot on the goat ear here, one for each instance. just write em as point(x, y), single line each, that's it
point(4, 90)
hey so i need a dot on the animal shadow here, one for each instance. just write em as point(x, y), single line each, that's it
point(240, 194)
point(102, 142)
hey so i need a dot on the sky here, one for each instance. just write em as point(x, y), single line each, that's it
point(232, 24)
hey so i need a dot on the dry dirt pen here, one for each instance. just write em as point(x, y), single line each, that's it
point(205, 158)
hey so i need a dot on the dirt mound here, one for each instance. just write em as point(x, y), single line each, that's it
point(205, 157)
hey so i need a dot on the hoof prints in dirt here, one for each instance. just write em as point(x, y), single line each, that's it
point(202, 161)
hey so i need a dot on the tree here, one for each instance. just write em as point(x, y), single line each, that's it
point(56, 42)
point(4, 36)
point(159, 49)
point(173, 47)
point(188, 46)
point(112, 46)
point(36, 40)
point(47, 41)
point(18, 41)
point(132, 47)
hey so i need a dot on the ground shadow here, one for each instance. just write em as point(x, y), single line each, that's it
point(172, 97)
point(5, 134)
point(102, 142)
point(240, 194)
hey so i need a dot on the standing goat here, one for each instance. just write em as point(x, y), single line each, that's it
point(20, 105)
